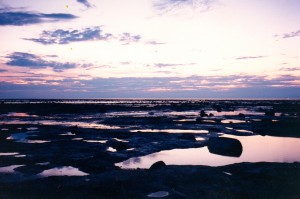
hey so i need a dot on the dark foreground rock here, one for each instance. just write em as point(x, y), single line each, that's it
point(259, 180)
point(225, 146)
point(157, 165)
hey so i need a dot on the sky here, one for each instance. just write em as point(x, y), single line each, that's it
point(150, 49)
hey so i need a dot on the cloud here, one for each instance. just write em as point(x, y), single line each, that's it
point(127, 38)
point(33, 61)
point(26, 18)
point(290, 69)
point(291, 34)
point(61, 36)
point(238, 86)
point(162, 65)
point(155, 43)
point(2, 70)
point(250, 57)
point(168, 5)
point(85, 2)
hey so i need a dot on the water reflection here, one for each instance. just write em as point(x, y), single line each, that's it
point(96, 141)
point(62, 171)
point(68, 134)
point(93, 125)
point(15, 114)
point(9, 154)
point(170, 131)
point(22, 138)
point(235, 112)
point(255, 149)
point(159, 194)
point(228, 121)
point(9, 169)
point(111, 149)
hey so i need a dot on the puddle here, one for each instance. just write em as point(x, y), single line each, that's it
point(36, 141)
point(127, 113)
point(64, 123)
point(255, 149)
point(15, 154)
point(9, 169)
point(43, 163)
point(179, 113)
point(20, 156)
point(15, 114)
point(185, 120)
point(228, 121)
point(68, 134)
point(62, 171)
point(209, 121)
point(200, 139)
point(244, 131)
point(9, 154)
point(77, 139)
point(78, 124)
point(169, 131)
point(227, 173)
point(110, 149)
point(32, 128)
point(96, 141)
point(256, 120)
point(17, 122)
point(159, 194)
point(22, 138)
point(18, 136)
point(120, 140)
point(235, 113)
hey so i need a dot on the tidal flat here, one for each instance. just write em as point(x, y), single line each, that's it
point(167, 148)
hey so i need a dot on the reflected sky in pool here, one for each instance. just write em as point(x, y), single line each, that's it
point(62, 171)
point(170, 131)
point(9, 169)
point(255, 149)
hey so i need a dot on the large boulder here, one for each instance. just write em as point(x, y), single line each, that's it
point(225, 146)
point(157, 165)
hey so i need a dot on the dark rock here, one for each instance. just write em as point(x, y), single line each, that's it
point(187, 137)
point(225, 146)
point(151, 113)
point(241, 115)
point(270, 113)
point(210, 115)
point(157, 165)
point(119, 146)
point(203, 114)
point(198, 119)
point(214, 129)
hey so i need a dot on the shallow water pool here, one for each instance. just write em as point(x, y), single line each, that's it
point(255, 149)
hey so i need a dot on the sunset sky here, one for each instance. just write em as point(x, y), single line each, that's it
point(150, 49)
